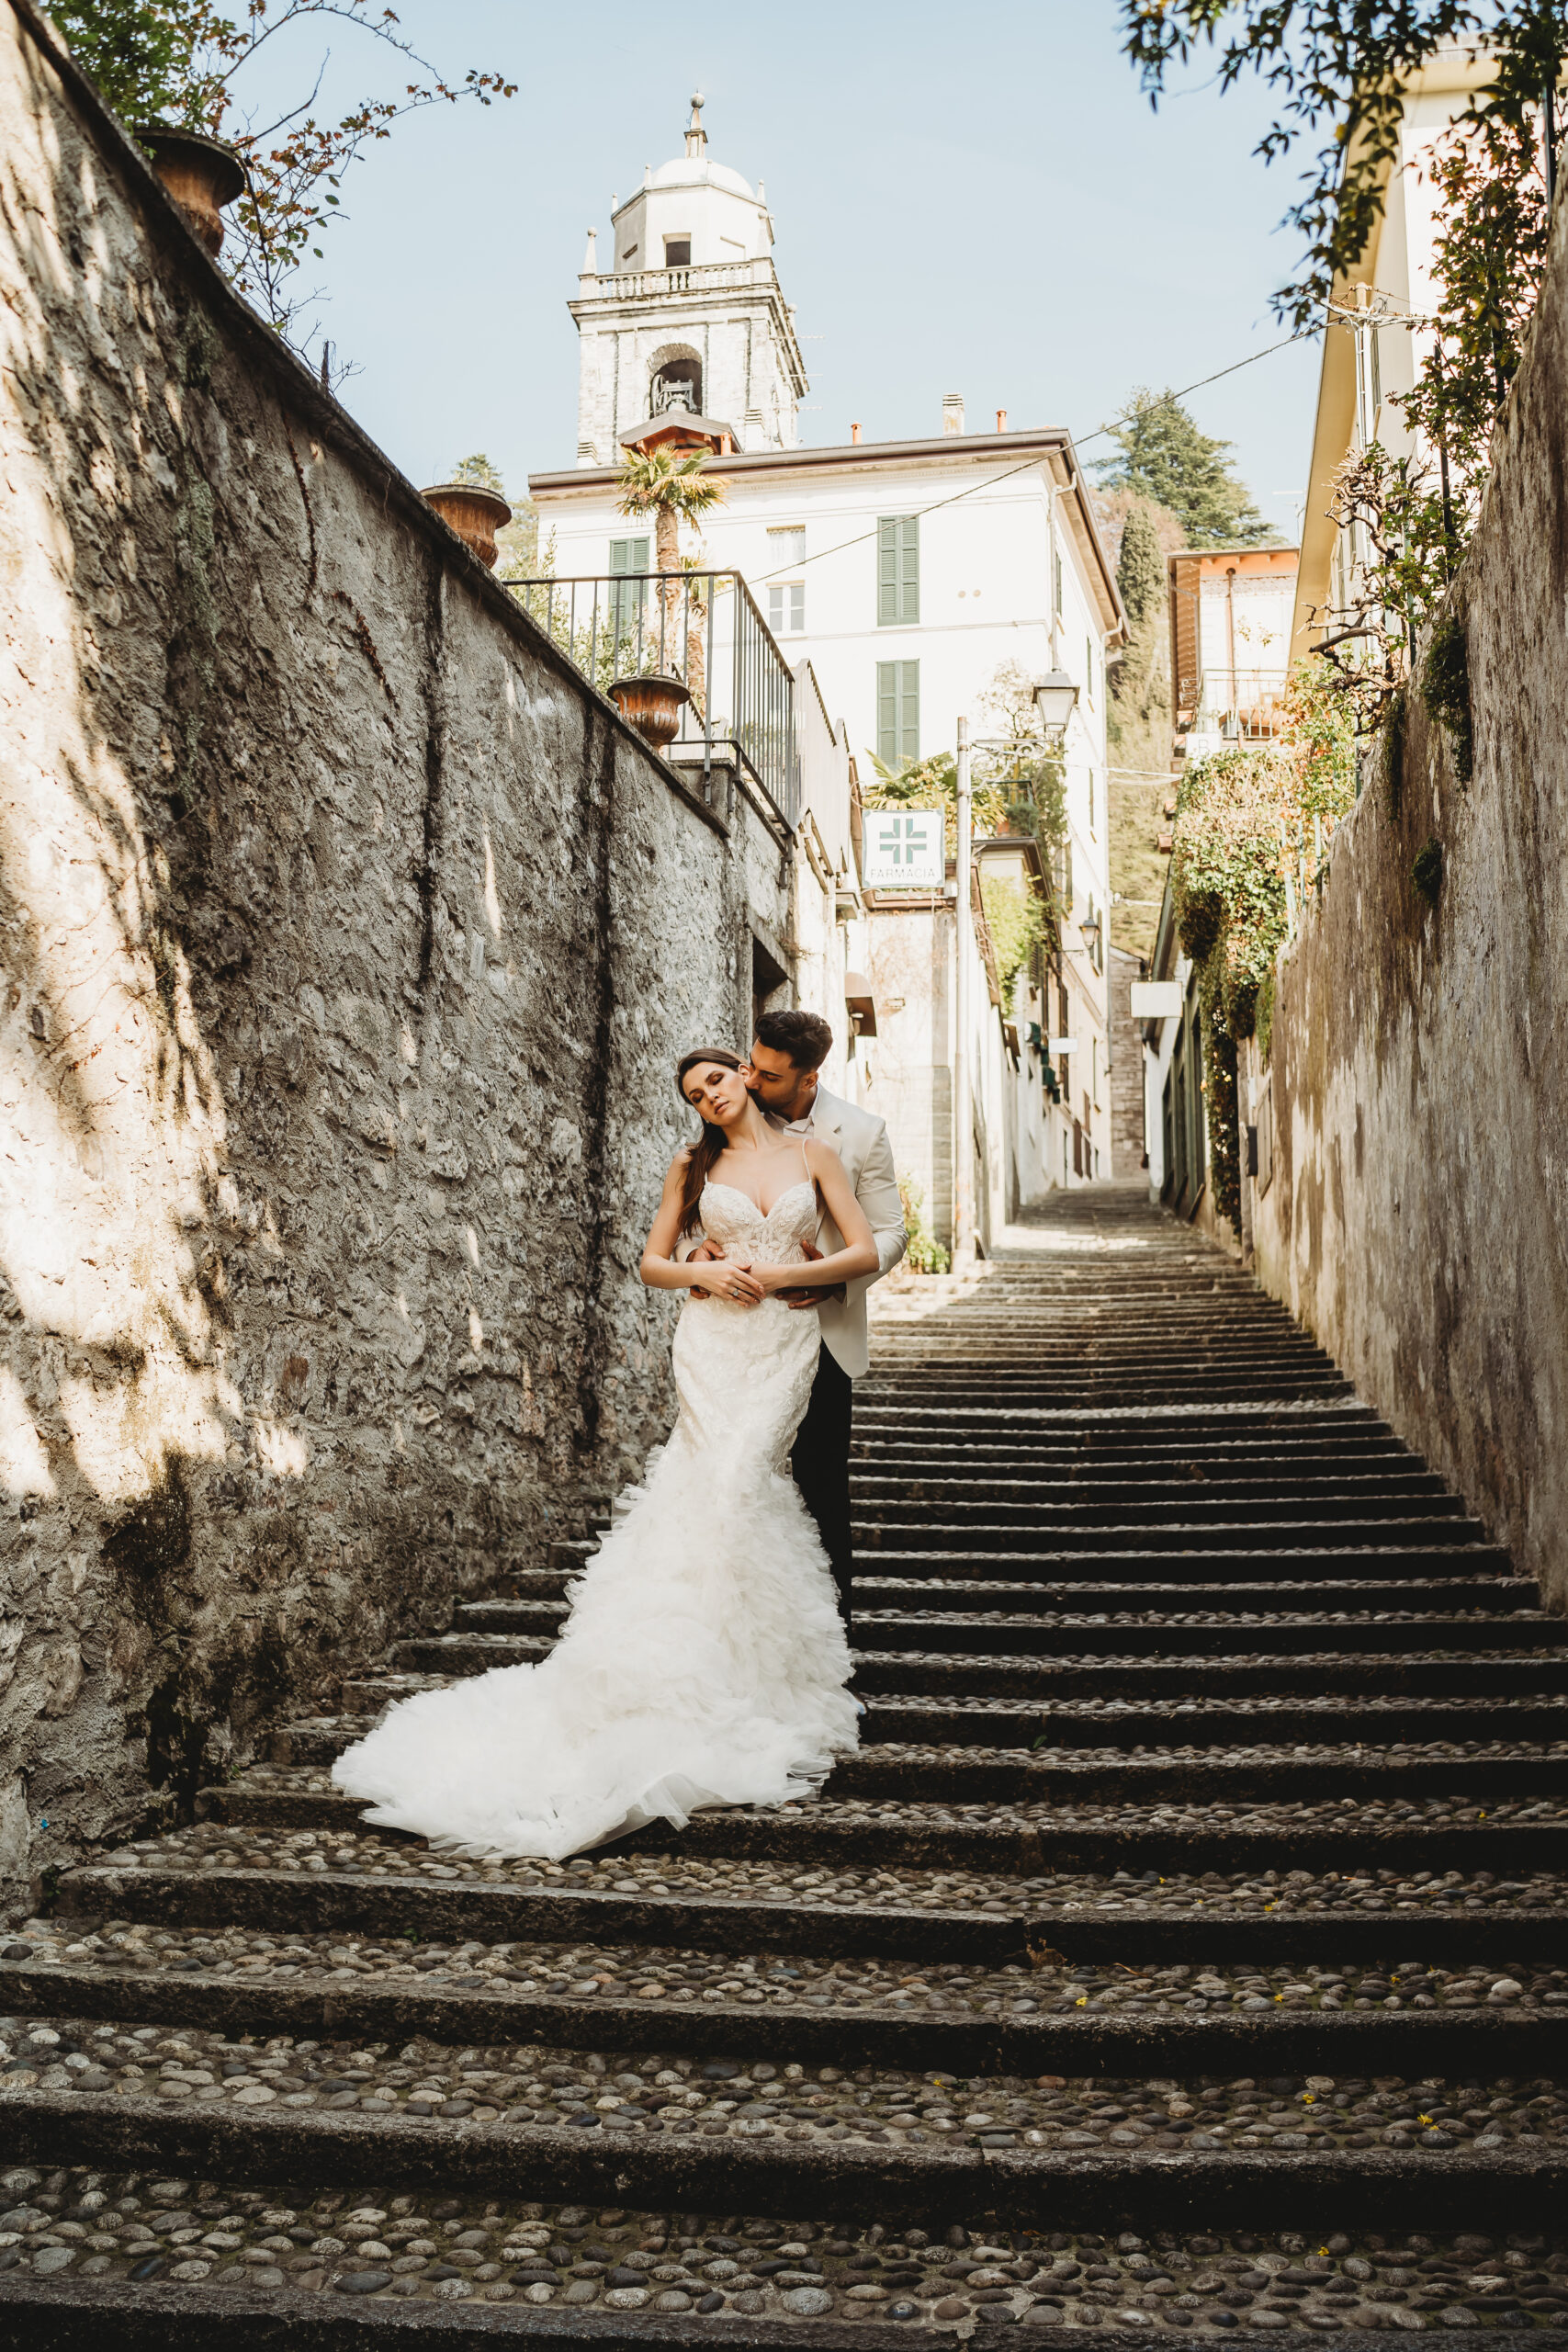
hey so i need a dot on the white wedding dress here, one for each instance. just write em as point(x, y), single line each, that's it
point(703, 1661)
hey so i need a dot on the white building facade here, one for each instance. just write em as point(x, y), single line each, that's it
point(918, 578)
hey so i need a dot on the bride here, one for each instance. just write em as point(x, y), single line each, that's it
point(703, 1661)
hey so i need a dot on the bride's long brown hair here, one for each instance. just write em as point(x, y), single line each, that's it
point(709, 1144)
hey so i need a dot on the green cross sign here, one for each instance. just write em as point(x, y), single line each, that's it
point(904, 849)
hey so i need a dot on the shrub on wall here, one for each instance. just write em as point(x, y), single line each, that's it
point(1242, 817)
point(1445, 690)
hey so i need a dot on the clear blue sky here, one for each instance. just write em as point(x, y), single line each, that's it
point(971, 199)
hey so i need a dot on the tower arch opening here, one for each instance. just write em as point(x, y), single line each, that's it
point(675, 380)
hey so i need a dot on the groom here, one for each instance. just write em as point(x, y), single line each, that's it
point(786, 1054)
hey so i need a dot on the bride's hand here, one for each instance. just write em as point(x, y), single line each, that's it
point(775, 1279)
point(728, 1278)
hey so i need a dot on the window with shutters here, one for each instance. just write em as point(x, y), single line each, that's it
point(897, 712)
point(786, 545)
point(786, 606)
point(628, 603)
point(897, 570)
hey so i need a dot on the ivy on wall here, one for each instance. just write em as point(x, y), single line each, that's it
point(1240, 817)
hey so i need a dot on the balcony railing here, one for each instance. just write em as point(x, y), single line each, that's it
point(702, 629)
point(685, 277)
point(1240, 706)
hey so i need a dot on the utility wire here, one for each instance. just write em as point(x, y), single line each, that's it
point(1029, 465)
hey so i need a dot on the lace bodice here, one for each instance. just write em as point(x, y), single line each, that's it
point(732, 1218)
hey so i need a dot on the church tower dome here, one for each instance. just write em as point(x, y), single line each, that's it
point(689, 314)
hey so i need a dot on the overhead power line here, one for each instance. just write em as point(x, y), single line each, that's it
point(781, 571)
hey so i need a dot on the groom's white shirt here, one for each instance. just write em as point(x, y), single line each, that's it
point(860, 1140)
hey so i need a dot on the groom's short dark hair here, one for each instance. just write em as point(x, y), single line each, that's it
point(804, 1036)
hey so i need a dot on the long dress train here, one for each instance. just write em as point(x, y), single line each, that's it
point(703, 1661)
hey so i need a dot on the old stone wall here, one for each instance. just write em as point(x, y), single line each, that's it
point(349, 939)
point(1415, 1213)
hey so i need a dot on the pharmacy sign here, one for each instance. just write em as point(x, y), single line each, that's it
point(904, 849)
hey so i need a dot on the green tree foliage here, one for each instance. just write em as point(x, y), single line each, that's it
point(925, 1254)
point(1139, 568)
point(1015, 918)
point(1162, 456)
point(672, 487)
point(183, 61)
point(1137, 725)
point(1244, 819)
point(1337, 71)
point(142, 54)
point(479, 473)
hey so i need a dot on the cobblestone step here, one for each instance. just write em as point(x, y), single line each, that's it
point(1204, 1870)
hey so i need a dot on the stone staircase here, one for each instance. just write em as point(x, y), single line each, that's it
point(1186, 1949)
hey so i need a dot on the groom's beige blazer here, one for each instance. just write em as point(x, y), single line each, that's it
point(860, 1140)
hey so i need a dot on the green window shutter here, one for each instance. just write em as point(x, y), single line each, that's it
point(887, 713)
point(898, 711)
point(886, 576)
point(897, 570)
point(627, 604)
point(909, 710)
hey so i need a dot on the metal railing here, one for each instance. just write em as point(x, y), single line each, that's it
point(703, 629)
point(1240, 705)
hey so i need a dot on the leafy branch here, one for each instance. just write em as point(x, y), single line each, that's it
point(179, 61)
point(1339, 68)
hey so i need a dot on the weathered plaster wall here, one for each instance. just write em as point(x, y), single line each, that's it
point(348, 944)
point(1417, 1216)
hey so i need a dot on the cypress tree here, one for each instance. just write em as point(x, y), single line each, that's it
point(1139, 568)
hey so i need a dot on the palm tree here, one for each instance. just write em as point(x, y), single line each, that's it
point(674, 488)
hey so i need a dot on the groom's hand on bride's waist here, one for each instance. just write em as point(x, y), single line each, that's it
point(801, 1296)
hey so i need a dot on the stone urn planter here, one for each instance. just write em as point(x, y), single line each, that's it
point(474, 513)
point(202, 174)
point(652, 705)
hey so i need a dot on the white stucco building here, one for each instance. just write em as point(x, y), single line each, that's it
point(1378, 341)
point(910, 575)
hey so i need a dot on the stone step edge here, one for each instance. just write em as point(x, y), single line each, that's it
point(111, 2315)
point(1410, 2043)
point(1011, 2186)
point(82, 2315)
point(389, 1906)
point(1031, 1849)
point(1031, 1775)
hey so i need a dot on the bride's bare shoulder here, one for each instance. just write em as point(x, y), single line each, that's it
point(821, 1157)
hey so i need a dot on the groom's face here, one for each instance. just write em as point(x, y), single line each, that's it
point(778, 1085)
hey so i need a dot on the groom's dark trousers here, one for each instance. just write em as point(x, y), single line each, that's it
point(821, 1464)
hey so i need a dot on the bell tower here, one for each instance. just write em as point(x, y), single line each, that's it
point(689, 317)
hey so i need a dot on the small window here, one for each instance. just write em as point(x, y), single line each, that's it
point(786, 545)
point(786, 606)
point(677, 253)
point(897, 712)
point(897, 570)
point(630, 254)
